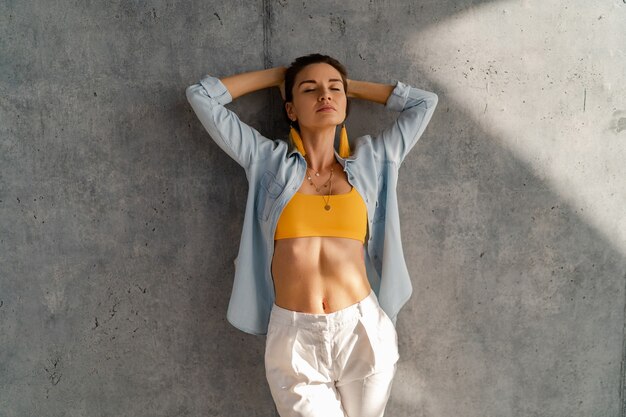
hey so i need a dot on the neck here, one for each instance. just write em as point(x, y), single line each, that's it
point(319, 147)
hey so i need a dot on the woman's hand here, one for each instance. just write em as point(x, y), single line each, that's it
point(348, 89)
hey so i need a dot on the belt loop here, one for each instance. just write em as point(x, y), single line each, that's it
point(361, 307)
point(371, 300)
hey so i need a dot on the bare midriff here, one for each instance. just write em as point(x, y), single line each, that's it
point(319, 274)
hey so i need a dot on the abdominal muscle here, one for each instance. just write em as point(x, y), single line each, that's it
point(319, 274)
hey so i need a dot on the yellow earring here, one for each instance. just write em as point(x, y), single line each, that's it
point(296, 139)
point(344, 145)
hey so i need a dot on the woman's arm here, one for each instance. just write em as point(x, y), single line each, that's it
point(416, 107)
point(208, 98)
point(366, 90)
point(247, 82)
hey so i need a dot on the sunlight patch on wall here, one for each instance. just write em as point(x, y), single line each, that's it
point(547, 81)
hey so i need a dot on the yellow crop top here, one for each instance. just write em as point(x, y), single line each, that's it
point(304, 215)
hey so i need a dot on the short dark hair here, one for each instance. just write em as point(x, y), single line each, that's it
point(297, 65)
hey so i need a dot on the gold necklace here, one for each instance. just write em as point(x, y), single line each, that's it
point(329, 181)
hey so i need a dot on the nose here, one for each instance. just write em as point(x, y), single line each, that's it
point(325, 94)
point(325, 97)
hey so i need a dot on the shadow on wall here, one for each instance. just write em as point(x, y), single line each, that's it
point(515, 235)
point(518, 303)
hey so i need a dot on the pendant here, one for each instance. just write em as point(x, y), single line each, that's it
point(327, 207)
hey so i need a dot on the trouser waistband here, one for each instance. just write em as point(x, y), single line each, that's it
point(330, 320)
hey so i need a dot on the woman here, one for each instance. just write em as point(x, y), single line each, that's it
point(320, 268)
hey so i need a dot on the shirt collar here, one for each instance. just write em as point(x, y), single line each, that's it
point(341, 160)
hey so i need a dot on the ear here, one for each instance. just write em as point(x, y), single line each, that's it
point(290, 110)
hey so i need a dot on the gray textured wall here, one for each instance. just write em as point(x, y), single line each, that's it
point(115, 272)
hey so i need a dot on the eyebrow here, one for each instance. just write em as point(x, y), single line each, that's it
point(314, 82)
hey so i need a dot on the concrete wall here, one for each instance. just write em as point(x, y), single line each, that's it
point(114, 202)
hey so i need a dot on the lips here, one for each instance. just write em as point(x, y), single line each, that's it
point(326, 108)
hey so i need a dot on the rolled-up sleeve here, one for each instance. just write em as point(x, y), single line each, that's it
point(416, 108)
point(240, 141)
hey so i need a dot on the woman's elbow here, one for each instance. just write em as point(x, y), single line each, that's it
point(432, 100)
point(193, 91)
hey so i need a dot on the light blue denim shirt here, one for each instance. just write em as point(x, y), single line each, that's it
point(275, 170)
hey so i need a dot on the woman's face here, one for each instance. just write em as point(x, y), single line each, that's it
point(319, 99)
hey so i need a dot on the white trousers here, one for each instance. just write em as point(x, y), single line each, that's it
point(331, 365)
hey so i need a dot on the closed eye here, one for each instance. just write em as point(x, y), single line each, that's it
point(336, 89)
